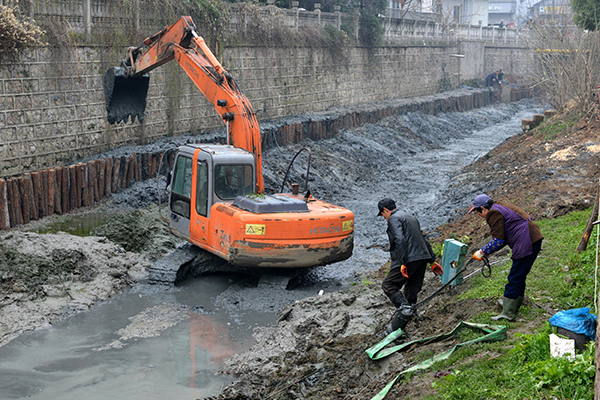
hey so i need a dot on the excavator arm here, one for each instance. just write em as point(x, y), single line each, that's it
point(126, 86)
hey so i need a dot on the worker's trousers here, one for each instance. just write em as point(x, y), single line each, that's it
point(515, 287)
point(394, 281)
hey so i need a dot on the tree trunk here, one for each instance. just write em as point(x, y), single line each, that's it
point(590, 225)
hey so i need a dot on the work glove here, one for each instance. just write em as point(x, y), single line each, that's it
point(437, 269)
point(404, 271)
point(478, 255)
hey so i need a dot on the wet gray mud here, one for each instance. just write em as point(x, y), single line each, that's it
point(170, 342)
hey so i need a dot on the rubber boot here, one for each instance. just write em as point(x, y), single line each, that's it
point(403, 313)
point(509, 309)
point(520, 303)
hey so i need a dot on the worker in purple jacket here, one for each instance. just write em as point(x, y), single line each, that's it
point(510, 226)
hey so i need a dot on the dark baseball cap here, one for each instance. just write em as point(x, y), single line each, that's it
point(385, 203)
point(481, 200)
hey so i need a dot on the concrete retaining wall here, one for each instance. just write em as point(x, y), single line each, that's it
point(52, 110)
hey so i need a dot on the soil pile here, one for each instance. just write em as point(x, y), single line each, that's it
point(140, 231)
point(317, 347)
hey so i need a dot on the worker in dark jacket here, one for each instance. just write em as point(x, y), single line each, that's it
point(500, 76)
point(491, 79)
point(410, 252)
point(510, 226)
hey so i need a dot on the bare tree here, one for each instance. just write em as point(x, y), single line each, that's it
point(568, 67)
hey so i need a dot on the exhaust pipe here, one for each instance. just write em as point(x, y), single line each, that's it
point(125, 95)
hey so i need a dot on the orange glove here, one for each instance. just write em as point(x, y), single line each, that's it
point(437, 269)
point(478, 255)
point(404, 271)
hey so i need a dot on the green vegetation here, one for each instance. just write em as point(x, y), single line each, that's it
point(370, 28)
point(587, 14)
point(521, 366)
point(552, 129)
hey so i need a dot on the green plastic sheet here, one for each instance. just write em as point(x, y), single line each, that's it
point(492, 333)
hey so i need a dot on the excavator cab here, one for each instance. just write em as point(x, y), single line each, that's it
point(204, 175)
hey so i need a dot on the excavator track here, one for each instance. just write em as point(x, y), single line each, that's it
point(187, 261)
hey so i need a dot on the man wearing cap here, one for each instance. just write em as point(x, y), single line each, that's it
point(410, 252)
point(509, 225)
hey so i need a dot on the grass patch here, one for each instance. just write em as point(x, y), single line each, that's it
point(552, 129)
point(521, 367)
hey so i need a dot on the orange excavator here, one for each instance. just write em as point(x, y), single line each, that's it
point(216, 191)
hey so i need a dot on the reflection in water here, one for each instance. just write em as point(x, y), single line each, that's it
point(210, 336)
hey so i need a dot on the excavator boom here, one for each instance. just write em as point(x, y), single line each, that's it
point(126, 87)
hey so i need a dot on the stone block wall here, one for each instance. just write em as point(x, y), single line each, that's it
point(52, 108)
point(515, 61)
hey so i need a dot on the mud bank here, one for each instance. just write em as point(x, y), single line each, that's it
point(317, 347)
point(50, 276)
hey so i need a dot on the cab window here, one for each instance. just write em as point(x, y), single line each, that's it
point(202, 189)
point(181, 187)
point(233, 180)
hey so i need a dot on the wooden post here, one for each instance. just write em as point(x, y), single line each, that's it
point(82, 183)
point(101, 171)
point(44, 194)
point(133, 167)
point(130, 170)
point(33, 209)
point(116, 180)
point(108, 177)
point(125, 176)
point(587, 232)
point(145, 165)
point(11, 205)
point(16, 201)
point(37, 192)
point(65, 189)
point(51, 190)
point(92, 182)
point(139, 170)
point(117, 167)
point(25, 201)
point(58, 190)
point(73, 198)
point(4, 215)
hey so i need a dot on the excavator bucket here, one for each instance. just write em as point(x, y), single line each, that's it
point(125, 95)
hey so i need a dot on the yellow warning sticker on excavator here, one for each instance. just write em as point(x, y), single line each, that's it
point(255, 229)
point(347, 225)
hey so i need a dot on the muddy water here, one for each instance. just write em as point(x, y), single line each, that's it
point(154, 342)
point(108, 352)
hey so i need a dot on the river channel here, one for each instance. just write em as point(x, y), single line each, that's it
point(155, 342)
